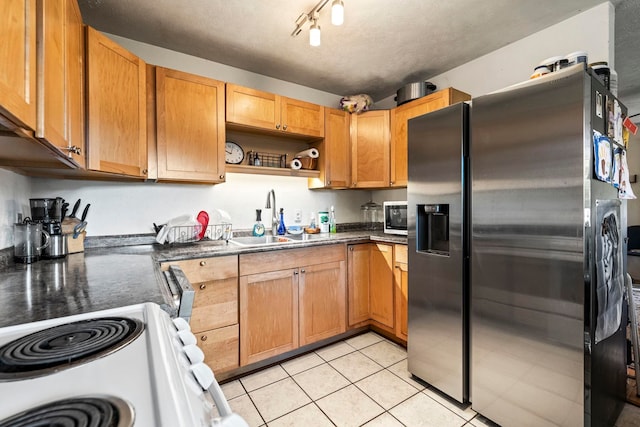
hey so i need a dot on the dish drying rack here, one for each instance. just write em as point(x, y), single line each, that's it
point(191, 233)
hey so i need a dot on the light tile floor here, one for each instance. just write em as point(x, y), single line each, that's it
point(362, 381)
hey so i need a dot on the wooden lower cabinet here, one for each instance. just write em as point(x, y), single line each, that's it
point(322, 301)
point(371, 290)
point(220, 347)
point(268, 314)
point(290, 298)
point(401, 280)
point(214, 318)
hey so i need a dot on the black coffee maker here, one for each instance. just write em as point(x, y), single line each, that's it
point(48, 211)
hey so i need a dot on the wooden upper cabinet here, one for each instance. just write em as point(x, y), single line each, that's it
point(370, 141)
point(334, 162)
point(60, 101)
point(116, 108)
point(18, 59)
point(190, 127)
point(273, 113)
point(399, 121)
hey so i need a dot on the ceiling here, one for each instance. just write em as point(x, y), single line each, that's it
point(381, 46)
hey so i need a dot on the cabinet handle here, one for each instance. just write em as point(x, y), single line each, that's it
point(391, 183)
point(278, 126)
point(329, 182)
point(295, 273)
point(203, 263)
point(74, 149)
point(284, 127)
point(351, 248)
point(221, 176)
point(203, 286)
point(203, 338)
point(145, 171)
point(302, 271)
point(355, 183)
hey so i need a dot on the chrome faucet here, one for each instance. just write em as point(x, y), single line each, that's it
point(274, 212)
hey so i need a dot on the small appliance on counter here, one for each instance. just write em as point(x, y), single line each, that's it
point(28, 241)
point(395, 217)
point(48, 212)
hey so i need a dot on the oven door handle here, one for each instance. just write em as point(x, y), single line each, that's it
point(182, 291)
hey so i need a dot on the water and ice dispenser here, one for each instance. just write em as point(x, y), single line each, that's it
point(432, 229)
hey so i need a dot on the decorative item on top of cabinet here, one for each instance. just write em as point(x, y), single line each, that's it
point(60, 64)
point(370, 141)
point(371, 289)
point(290, 298)
point(214, 319)
point(401, 279)
point(399, 120)
point(335, 152)
point(116, 108)
point(251, 108)
point(18, 59)
point(190, 131)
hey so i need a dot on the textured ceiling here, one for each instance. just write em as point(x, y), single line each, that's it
point(381, 46)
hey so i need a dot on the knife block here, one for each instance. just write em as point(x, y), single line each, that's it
point(75, 245)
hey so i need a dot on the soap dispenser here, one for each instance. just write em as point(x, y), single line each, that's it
point(258, 227)
point(281, 228)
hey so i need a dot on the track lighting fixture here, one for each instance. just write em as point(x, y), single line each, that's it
point(337, 18)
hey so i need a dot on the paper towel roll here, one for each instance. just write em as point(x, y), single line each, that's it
point(311, 152)
point(295, 164)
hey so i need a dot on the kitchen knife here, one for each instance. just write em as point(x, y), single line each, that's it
point(75, 209)
point(84, 213)
point(63, 210)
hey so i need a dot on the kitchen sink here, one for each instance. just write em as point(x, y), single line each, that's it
point(305, 237)
point(260, 241)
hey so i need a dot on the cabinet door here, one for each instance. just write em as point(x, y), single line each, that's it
point(401, 279)
point(335, 152)
point(399, 122)
point(220, 348)
point(370, 141)
point(302, 118)
point(252, 107)
point(18, 59)
point(190, 127)
point(215, 304)
point(322, 301)
point(381, 284)
point(116, 108)
point(358, 283)
point(268, 315)
point(60, 118)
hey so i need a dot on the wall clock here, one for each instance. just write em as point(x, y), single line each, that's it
point(234, 154)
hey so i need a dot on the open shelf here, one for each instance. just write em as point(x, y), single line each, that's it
point(261, 170)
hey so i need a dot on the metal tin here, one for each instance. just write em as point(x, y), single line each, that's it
point(412, 91)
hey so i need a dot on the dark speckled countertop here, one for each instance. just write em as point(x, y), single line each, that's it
point(110, 277)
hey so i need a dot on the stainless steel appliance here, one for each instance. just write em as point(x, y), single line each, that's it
point(119, 367)
point(28, 241)
point(438, 211)
point(395, 217)
point(547, 340)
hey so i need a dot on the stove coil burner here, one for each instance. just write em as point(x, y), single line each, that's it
point(86, 411)
point(64, 346)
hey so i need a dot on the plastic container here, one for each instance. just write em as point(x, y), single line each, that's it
point(540, 71)
point(371, 215)
point(602, 72)
point(577, 57)
point(323, 219)
point(332, 221)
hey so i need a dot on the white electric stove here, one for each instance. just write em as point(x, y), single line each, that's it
point(128, 366)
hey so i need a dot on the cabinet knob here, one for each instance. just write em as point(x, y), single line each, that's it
point(351, 248)
point(203, 286)
point(203, 263)
point(355, 183)
point(278, 126)
point(203, 338)
point(295, 273)
point(329, 182)
point(74, 149)
point(284, 127)
point(302, 271)
point(145, 171)
point(391, 183)
point(221, 176)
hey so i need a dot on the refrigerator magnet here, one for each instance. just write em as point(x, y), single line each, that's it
point(602, 156)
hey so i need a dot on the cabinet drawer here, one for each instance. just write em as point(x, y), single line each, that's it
point(215, 304)
point(205, 269)
point(292, 258)
point(402, 254)
point(220, 347)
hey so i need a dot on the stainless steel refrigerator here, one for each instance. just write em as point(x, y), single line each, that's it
point(438, 239)
point(547, 312)
point(531, 330)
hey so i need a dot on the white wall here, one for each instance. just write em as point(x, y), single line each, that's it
point(591, 31)
point(132, 208)
point(14, 198)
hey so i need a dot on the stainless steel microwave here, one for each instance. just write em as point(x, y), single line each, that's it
point(395, 217)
